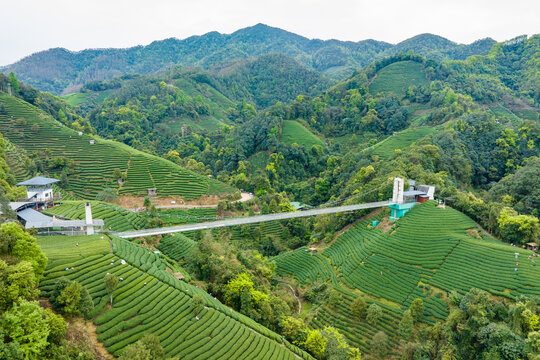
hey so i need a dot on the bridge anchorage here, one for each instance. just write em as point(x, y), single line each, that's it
point(400, 204)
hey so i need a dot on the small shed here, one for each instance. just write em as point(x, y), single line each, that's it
point(152, 192)
point(532, 246)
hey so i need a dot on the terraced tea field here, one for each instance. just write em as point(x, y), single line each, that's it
point(64, 248)
point(95, 163)
point(119, 219)
point(115, 217)
point(426, 254)
point(294, 132)
point(385, 149)
point(149, 300)
point(397, 77)
point(176, 246)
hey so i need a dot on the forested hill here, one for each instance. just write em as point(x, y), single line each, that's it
point(60, 70)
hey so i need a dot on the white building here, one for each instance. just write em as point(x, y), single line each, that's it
point(39, 189)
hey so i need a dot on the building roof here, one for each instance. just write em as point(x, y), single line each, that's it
point(38, 181)
point(414, 193)
point(35, 219)
point(16, 205)
point(298, 205)
point(532, 244)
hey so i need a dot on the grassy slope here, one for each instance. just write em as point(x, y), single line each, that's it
point(429, 253)
point(294, 132)
point(95, 163)
point(150, 300)
point(397, 77)
point(401, 140)
point(63, 248)
point(76, 99)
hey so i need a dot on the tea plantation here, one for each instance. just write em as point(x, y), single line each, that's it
point(295, 132)
point(119, 219)
point(398, 77)
point(94, 164)
point(115, 217)
point(150, 300)
point(424, 255)
point(385, 148)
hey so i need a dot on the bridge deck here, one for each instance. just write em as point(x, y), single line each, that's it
point(249, 220)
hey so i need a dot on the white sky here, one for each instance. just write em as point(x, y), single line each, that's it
point(28, 26)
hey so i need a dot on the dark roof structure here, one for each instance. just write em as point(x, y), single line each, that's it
point(38, 181)
point(413, 193)
point(35, 219)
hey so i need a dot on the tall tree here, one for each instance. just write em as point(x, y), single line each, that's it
point(111, 283)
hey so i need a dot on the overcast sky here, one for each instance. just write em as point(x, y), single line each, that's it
point(34, 25)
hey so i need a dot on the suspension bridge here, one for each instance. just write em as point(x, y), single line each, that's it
point(249, 220)
point(397, 198)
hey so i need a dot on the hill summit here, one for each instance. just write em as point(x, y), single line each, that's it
point(59, 70)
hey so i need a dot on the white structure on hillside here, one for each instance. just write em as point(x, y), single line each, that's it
point(397, 193)
point(89, 222)
point(39, 189)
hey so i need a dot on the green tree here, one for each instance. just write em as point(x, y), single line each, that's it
point(374, 313)
point(16, 281)
point(117, 173)
point(14, 83)
point(197, 303)
point(26, 324)
point(246, 305)
point(294, 329)
point(417, 309)
point(518, 229)
point(57, 327)
point(273, 206)
point(379, 345)
point(111, 283)
point(335, 298)
point(358, 308)
point(315, 343)
point(136, 351)
point(406, 325)
point(151, 342)
point(147, 202)
point(70, 299)
point(87, 304)
point(24, 247)
point(146, 348)
point(235, 289)
point(107, 194)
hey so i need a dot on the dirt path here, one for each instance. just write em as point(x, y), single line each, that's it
point(245, 196)
point(90, 330)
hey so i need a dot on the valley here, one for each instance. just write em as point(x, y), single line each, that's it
point(260, 195)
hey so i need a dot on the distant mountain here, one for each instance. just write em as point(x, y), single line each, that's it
point(62, 71)
point(271, 78)
point(439, 48)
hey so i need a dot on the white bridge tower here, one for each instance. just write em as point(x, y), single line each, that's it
point(397, 194)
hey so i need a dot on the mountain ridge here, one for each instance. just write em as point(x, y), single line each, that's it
point(59, 70)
